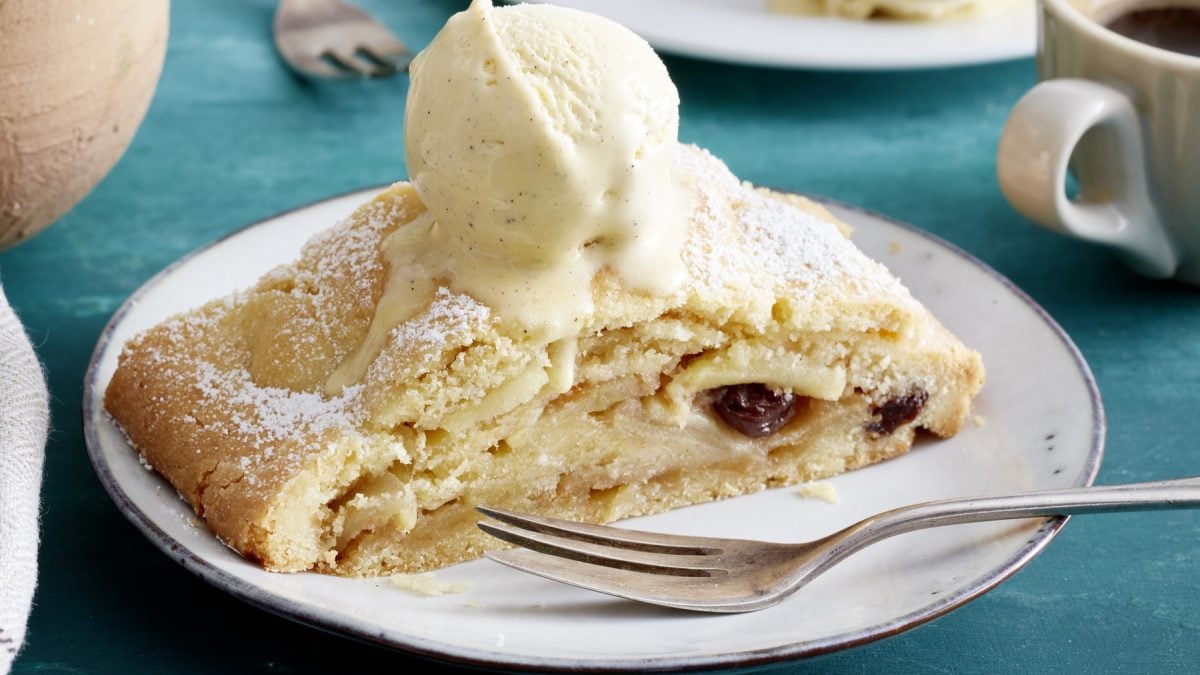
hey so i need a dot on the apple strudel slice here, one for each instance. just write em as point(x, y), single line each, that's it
point(786, 355)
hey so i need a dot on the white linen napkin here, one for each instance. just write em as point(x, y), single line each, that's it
point(24, 415)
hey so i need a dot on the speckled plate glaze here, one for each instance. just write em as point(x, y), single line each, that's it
point(742, 31)
point(1039, 425)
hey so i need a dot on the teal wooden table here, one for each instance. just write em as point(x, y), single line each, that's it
point(231, 137)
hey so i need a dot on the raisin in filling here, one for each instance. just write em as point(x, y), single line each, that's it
point(895, 412)
point(755, 410)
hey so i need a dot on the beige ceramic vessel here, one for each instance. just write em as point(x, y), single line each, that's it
point(76, 78)
point(1125, 118)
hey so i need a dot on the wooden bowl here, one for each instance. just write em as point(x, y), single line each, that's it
point(75, 81)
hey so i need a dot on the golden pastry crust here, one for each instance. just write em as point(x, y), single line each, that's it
point(461, 407)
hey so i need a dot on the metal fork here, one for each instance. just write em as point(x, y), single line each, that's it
point(330, 38)
point(736, 575)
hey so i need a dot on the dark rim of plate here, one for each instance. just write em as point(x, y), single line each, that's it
point(350, 627)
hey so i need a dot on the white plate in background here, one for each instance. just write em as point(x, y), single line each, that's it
point(1039, 425)
point(742, 31)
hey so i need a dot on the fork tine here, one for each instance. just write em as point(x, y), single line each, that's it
point(692, 593)
point(611, 536)
point(608, 556)
point(358, 64)
point(387, 49)
point(316, 67)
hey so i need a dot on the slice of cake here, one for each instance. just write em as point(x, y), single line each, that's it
point(649, 333)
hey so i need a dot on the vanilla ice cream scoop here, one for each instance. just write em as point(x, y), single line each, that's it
point(542, 142)
point(540, 136)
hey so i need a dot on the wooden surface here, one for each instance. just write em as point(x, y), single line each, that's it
point(231, 138)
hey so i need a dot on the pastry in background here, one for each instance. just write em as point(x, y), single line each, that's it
point(911, 10)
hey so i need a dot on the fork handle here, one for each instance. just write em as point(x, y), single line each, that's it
point(1182, 493)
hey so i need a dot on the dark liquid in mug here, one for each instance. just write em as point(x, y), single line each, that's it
point(1172, 28)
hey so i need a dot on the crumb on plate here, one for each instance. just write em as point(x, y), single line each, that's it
point(821, 489)
point(425, 584)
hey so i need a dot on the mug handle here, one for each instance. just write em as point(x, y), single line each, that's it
point(1114, 208)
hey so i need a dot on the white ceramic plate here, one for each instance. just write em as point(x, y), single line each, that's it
point(742, 31)
point(1040, 425)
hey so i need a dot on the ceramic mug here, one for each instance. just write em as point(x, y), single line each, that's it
point(1126, 117)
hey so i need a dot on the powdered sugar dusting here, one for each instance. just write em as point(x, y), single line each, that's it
point(180, 328)
point(354, 244)
point(747, 241)
point(267, 414)
point(452, 317)
point(339, 271)
point(799, 248)
point(264, 417)
point(267, 419)
point(275, 430)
